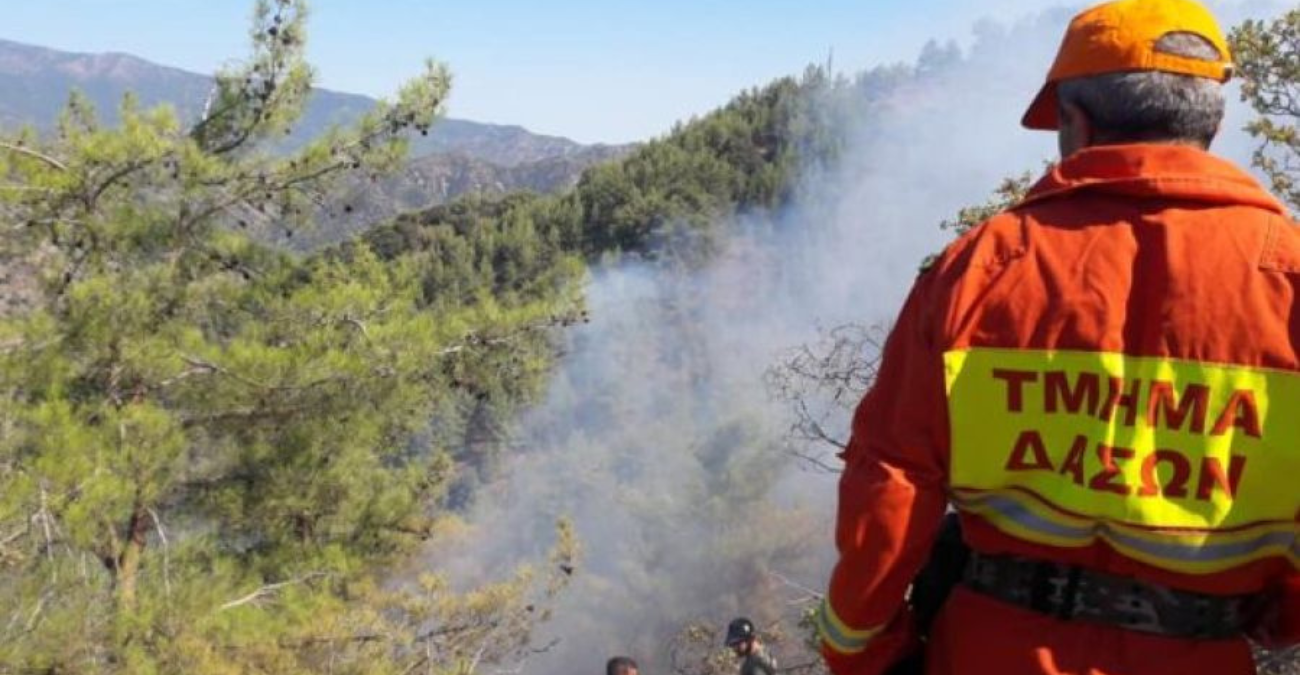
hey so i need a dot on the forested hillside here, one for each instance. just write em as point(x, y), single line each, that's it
point(505, 434)
point(652, 432)
point(216, 453)
point(747, 155)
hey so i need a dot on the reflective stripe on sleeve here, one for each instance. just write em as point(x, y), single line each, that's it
point(837, 635)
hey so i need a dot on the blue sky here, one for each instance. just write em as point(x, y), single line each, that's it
point(592, 70)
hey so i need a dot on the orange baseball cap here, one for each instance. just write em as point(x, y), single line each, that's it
point(1121, 37)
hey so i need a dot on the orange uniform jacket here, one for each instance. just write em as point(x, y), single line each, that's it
point(1179, 271)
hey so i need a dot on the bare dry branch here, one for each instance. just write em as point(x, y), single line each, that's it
point(790, 583)
point(359, 325)
point(195, 362)
point(271, 589)
point(28, 152)
point(166, 548)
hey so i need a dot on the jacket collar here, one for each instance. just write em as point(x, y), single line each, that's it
point(1149, 170)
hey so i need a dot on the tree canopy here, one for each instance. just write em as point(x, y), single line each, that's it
point(216, 457)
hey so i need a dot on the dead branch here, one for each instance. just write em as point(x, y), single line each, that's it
point(28, 152)
point(18, 534)
point(344, 639)
point(809, 593)
point(418, 664)
point(271, 589)
point(813, 429)
point(167, 558)
point(44, 516)
point(195, 362)
point(40, 609)
point(183, 375)
point(5, 553)
point(359, 325)
point(455, 630)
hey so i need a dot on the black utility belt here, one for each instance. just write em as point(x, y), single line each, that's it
point(1076, 594)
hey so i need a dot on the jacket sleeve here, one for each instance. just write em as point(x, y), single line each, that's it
point(891, 497)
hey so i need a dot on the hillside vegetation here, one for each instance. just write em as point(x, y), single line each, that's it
point(216, 456)
point(745, 156)
point(221, 456)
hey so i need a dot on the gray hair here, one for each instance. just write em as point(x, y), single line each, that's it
point(1153, 105)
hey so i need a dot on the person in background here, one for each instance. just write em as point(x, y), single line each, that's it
point(745, 643)
point(621, 665)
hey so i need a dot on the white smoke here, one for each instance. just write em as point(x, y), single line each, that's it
point(656, 435)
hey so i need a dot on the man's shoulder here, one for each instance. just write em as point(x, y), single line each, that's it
point(999, 239)
point(1282, 247)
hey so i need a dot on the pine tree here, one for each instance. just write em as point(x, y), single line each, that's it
point(210, 451)
point(1268, 59)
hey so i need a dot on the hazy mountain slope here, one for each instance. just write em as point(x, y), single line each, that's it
point(457, 158)
point(35, 82)
point(436, 179)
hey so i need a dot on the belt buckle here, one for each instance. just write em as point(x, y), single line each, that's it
point(1070, 594)
point(1043, 593)
point(1054, 590)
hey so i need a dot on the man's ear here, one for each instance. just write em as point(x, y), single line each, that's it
point(1076, 131)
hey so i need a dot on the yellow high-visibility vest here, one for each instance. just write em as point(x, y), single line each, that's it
point(1186, 466)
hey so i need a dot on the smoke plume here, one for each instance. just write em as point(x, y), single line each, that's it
point(657, 436)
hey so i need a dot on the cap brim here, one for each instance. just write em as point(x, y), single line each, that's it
point(1043, 113)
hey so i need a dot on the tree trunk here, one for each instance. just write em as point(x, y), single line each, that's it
point(128, 562)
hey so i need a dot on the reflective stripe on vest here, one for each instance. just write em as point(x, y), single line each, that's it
point(1182, 465)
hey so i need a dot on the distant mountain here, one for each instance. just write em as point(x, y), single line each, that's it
point(436, 179)
point(456, 158)
point(35, 83)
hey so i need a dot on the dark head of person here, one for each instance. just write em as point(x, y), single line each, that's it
point(741, 636)
point(621, 665)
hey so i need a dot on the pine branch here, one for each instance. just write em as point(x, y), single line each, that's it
point(20, 150)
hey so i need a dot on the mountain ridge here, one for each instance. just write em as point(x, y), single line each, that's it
point(37, 81)
point(458, 157)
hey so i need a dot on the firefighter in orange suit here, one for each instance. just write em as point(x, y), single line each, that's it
point(1104, 381)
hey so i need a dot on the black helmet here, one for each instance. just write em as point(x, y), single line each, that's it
point(739, 630)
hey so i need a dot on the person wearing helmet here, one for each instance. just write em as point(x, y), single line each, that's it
point(621, 665)
point(745, 643)
point(1103, 381)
